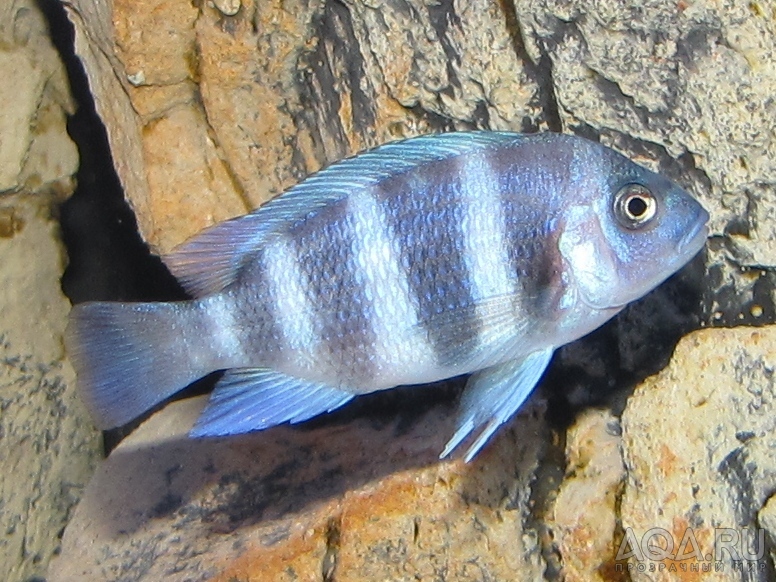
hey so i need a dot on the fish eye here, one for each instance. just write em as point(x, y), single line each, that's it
point(634, 206)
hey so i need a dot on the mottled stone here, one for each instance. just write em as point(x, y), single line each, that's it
point(352, 501)
point(699, 442)
point(272, 91)
point(766, 519)
point(211, 108)
point(685, 87)
point(585, 511)
point(35, 150)
point(48, 446)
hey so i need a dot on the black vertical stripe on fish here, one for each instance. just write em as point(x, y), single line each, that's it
point(532, 231)
point(256, 300)
point(343, 313)
point(425, 215)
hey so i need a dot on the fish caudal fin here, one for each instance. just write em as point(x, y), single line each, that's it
point(492, 396)
point(128, 357)
point(248, 399)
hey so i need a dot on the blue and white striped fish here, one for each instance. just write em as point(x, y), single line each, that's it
point(419, 260)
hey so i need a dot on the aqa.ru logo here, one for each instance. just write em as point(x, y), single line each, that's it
point(740, 548)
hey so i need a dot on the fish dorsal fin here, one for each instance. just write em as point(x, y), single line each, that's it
point(211, 260)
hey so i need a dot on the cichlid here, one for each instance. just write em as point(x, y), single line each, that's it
point(416, 261)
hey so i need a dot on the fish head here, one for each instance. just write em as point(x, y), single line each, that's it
point(631, 230)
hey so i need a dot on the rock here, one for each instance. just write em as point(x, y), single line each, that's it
point(698, 443)
point(35, 150)
point(48, 446)
point(260, 98)
point(767, 520)
point(214, 107)
point(337, 501)
point(210, 111)
point(584, 515)
point(693, 467)
point(358, 500)
point(686, 88)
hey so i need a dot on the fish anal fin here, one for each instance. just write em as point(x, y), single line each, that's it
point(249, 399)
point(492, 396)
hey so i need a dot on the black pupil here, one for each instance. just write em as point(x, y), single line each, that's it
point(637, 206)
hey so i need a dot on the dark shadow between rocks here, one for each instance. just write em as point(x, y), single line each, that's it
point(602, 368)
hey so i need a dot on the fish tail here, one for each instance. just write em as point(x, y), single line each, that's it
point(129, 357)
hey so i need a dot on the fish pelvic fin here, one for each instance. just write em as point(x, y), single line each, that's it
point(492, 396)
point(248, 399)
point(128, 357)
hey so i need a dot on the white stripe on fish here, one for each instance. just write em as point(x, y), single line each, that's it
point(293, 310)
point(485, 246)
point(400, 341)
point(221, 326)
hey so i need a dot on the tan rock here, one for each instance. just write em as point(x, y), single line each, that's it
point(685, 87)
point(355, 501)
point(35, 150)
point(48, 446)
point(585, 511)
point(699, 441)
point(766, 519)
point(214, 107)
point(261, 95)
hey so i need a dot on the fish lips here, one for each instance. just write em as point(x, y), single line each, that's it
point(695, 238)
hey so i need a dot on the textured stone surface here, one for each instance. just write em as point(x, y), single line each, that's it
point(48, 446)
point(362, 501)
point(269, 94)
point(259, 99)
point(353, 501)
point(212, 108)
point(699, 444)
point(585, 512)
point(35, 150)
point(686, 87)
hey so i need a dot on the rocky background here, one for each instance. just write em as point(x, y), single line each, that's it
point(48, 446)
point(210, 108)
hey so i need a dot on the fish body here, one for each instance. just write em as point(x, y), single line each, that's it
point(470, 252)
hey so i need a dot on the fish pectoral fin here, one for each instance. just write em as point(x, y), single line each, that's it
point(492, 396)
point(248, 399)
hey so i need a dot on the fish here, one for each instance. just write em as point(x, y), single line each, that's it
point(476, 252)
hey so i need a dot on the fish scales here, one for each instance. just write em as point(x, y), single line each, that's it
point(526, 223)
point(398, 335)
point(427, 216)
point(439, 255)
point(431, 273)
point(336, 287)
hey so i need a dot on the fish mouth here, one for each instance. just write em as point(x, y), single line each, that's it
point(695, 238)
